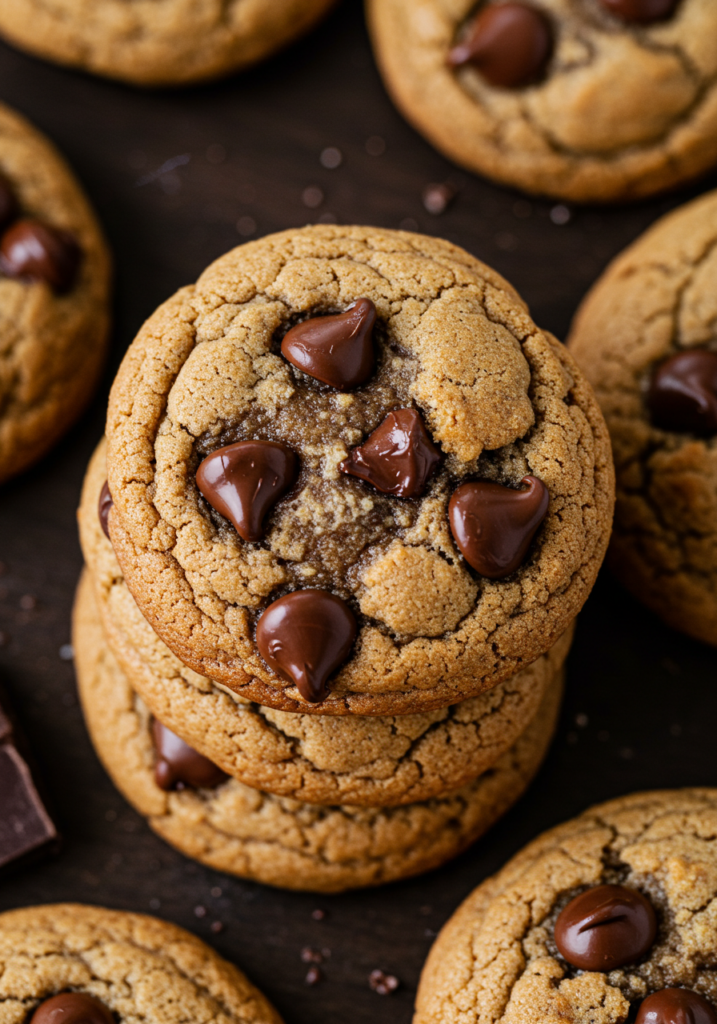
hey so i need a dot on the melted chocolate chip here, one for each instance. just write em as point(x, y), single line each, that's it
point(306, 636)
point(179, 765)
point(32, 251)
point(605, 927)
point(244, 480)
point(72, 1008)
point(398, 456)
point(337, 350)
point(103, 508)
point(8, 203)
point(510, 44)
point(676, 1006)
point(640, 12)
point(683, 393)
point(494, 525)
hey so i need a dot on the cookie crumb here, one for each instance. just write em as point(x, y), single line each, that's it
point(66, 652)
point(28, 602)
point(331, 158)
point(560, 214)
point(318, 915)
point(246, 226)
point(200, 911)
point(313, 976)
point(216, 927)
point(311, 956)
point(438, 197)
point(215, 891)
point(382, 983)
point(312, 197)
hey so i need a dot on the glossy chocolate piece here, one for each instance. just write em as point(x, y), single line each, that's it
point(397, 458)
point(33, 251)
point(337, 350)
point(8, 203)
point(676, 1006)
point(72, 1008)
point(605, 927)
point(510, 44)
point(103, 508)
point(683, 393)
point(179, 766)
point(305, 636)
point(245, 480)
point(640, 12)
point(494, 525)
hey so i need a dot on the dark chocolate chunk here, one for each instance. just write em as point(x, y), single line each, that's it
point(683, 393)
point(178, 765)
point(306, 636)
point(337, 350)
point(676, 1006)
point(397, 458)
point(605, 927)
point(494, 525)
point(72, 1008)
point(510, 44)
point(8, 203)
point(103, 508)
point(640, 12)
point(33, 251)
point(244, 480)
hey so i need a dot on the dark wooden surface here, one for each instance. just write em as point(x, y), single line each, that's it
point(641, 704)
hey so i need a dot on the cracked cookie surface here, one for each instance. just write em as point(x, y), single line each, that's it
point(622, 111)
point(157, 42)
point(52, 346)
point(501, 398)
point(657, 299)
point(139, 967)
point(495, 959)
point(277, 840)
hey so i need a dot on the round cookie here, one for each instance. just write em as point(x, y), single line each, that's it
point(656, 301)
point(136, 967)
point(314, 758)
point(454, 346)
point(54, 334)
point(605, 108)
point(157, 42)
point(497, 958)
point(276, 840)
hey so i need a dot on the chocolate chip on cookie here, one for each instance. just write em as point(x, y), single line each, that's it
point(337, 350)
point(509, 43)
point(676, 1006)
point(32, 251)
point(605, 927)
point(178, 765)
point(683, 393)
point(640, 12)
point(72, 1008)
point(104, 505)
point(397, 458)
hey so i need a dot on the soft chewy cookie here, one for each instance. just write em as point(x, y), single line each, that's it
point(54, 284)
point(316, 758)
point(607, 918)
point(157, 42)
point(428, 527)
point(646, 338)
point(275, 840)
point(578, 99)
point(84, 964)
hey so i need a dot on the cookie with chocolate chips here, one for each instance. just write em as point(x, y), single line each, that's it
point(596, 100)
point(606, 918)
point(646, 338)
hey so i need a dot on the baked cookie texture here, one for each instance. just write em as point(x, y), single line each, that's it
point(157, 42)
point(499, 396)
point(276, 840)
point(495, 959)
point(657, 299)
point(139, 967)
point(52, 346)
point(318, 759)
point(622, 111)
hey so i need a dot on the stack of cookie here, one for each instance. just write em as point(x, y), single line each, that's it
point(349, 505)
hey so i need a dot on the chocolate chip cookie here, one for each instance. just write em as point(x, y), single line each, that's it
point(54, 294)
point(276, 840)
point(87, 965)
point(404, 562)
point(586, 100)
point(645, 337)
point(161, 42)
point(607, 918)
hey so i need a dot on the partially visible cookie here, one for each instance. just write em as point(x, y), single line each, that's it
point(54, 295)
point(157, 42)
point(578, 99)
point(646, 336)
point(108, 965)
point(276, 840)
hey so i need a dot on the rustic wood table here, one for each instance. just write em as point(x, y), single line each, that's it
point(178, 178)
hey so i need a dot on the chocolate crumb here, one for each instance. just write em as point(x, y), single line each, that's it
point(313, 976)
point(200, 911)
point(216, 927)
point(382, 983)
point(438, 197)
point(311, 956)
point(318, 915)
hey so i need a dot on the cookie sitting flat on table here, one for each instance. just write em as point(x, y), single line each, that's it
point(596, 100)
point(54, 294)
point(373, 590)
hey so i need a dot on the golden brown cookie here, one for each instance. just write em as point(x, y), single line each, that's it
point(276, 840)
point(498, 958)
point(655, 302)
point(157, 42)
point(598, 107)
point(455, 346)
point(54, 295)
